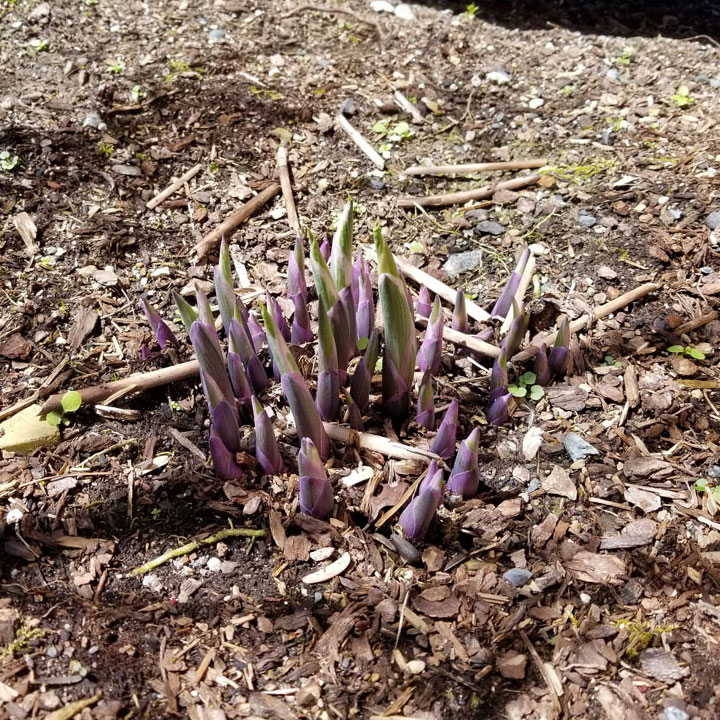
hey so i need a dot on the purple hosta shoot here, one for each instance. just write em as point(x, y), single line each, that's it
point(560, 352)
point(504, 302)
point(224, 461)
point(266, 447)
point(357, 270)
point(239, 343)
point(225, 296)
point(144, 352)
point(499, 412)
point(163, 334)
point(301, 331)
point(433, 481)
point(348, 304)
point(418, 516)
point(316, 493)
point(224, 428)
point(408, 294)
point(400, 343)
point(424, 307)
point(543, 374)
point(485, 335)
point(518, 328)
point(430, 352)
point(204, 311)
point(340, 264)
point(336, 309)
point(305, 414)
point(365, 306)
point(465, 476)
point(278, 317)
point(443, 443)
point(353, 416)
point(362, 377)
point(499, 373)
point(186, 311)
point(426, 403)
point(210, 356)
point(325, 249)
point(459, 316)
point(327, 397)
point(257, 334)
point(238, 378)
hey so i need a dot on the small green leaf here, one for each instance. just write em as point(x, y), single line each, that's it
point(416, 247)
point(716, 494)
point(701, 484)
point(71, 401)
point(53, 418)
point(676, 349)
point(694, 353)
point(380, 127)
point(362, 343)
point(528, 378)
point(516, 391)
point(536, 392)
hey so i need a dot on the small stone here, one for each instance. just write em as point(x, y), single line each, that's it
point(587, 220)
point(490, 227)
point(415, 667)
point(660, 665)
point(675, 213)
point(27, 431)
point(606, 273)
point(214, 564)
point(684, 366)
point(216, 34)
point(347, 107)
point(714, 471)
point(559, 482)
point(713, 219)
point(93, 650)
point(404, 12)
point(130, 170)
point(52, 651)
point(153, 582)
point(463, 262)
point(15, 347)
point(381, 6)
point(517, 577)
point(536, 103)
point(106, 277)
point(499, 77)
point(578, 448)
point(93, 120)
point(512, 665)
point(673, 712)
point(160, 272)
point(49, 701)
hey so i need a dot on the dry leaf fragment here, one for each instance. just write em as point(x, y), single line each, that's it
point(558, 482)
point(27, 230)
point(644, 499)
point(660, 665)
point(643, 466)
point(330, 571)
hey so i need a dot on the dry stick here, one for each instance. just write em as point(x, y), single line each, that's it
point(228, 226)
point(142, 381)
point(471, 168)
point(404, 104)
point(173, 187)
point(466, 195)
point(696, 323)
point(463, 340)
point(377, 443)
point(196, 545)
point(525, 279)
point(284, 173)
point(549, 679)
point(360, 141)
point(584, 320)
point(438, 287)
point(72, 709)
point(22, 404)
point(339, 11)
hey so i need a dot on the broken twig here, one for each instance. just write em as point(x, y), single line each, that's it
point(284, 174)
point(228, 226)
point(377, 443)
point(458, 198)
point(470, 342)
point(173, 187)
point(472, 168)
point(360, 141)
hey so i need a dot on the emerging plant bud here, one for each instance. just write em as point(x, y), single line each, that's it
point(444, 442)
point(296, 270)
point(186, 310)
point(280, 322)
point(430, 353)
point(266, 448)
point(499, 412)
point(560, 352)
point(418, 516)
point(327, 397)
point(238, 378)
point(257, 334)
point(362, 377)
point(301, 331)
point(316, 494)
point(353, 415)
point(465, 477)
point(238, 342)
point(518, 328)
point(499, 373)
point(210, 356)
point(504, 302)
point(341, 251)
point(542, 367)
point(433, 481)
point(424, 304)
point(366, 305)
point(163, 334)
point(460, 317)
point(426, 403)
point(224, 461)
point(204, 311)
point(325, 249)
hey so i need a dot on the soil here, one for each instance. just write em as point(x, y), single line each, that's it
point(103, 104)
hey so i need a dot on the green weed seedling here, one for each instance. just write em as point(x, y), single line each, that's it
point(526, 387)
point(71, 402)
point(682, 97)
point(8, 161)
point(687, 350)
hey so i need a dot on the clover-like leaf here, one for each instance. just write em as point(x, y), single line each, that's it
point(53, 418)
point(536, 392)
point(71, 401)
point(516, 391)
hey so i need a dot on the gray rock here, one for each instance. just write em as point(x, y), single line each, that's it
point(586, 220)
point(673, 712)
point(216, 34)
point(499, 77)
point(705, 270)
point(517, 577)
point(347, 107)
point(714, 471)
point(93, 120)
point(713, 219)
point(675, 213)
point(381, 6)
point(27, 431)
point(463, 262)
point(490, 227)
point(404, 12)
point(578, 448)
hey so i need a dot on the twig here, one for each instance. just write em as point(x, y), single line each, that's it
point(696, 323)
point(405, 497)
point(463, 340)
point(173, 187)
point(105, 451)
point(284, 173)
point(438, 287)
point(377, 443)
point(520, 292)
point(360, 141)
point(187, 443)
point(228, 226)
point(22, 404)
point(550, 681)
point(584, 320)
point(196, 545)
point(72, 709)
point(404, 104)
point(472, 168)
point(339, 11)
point(458, 198)
point(142, 381)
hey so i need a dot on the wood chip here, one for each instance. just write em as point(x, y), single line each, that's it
point(28, 231)
point(595, 568)
point(558, 482)
point(327, 573)
point(644, 499)
point(276, 529)
point(634, 534)
point(643, 466)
